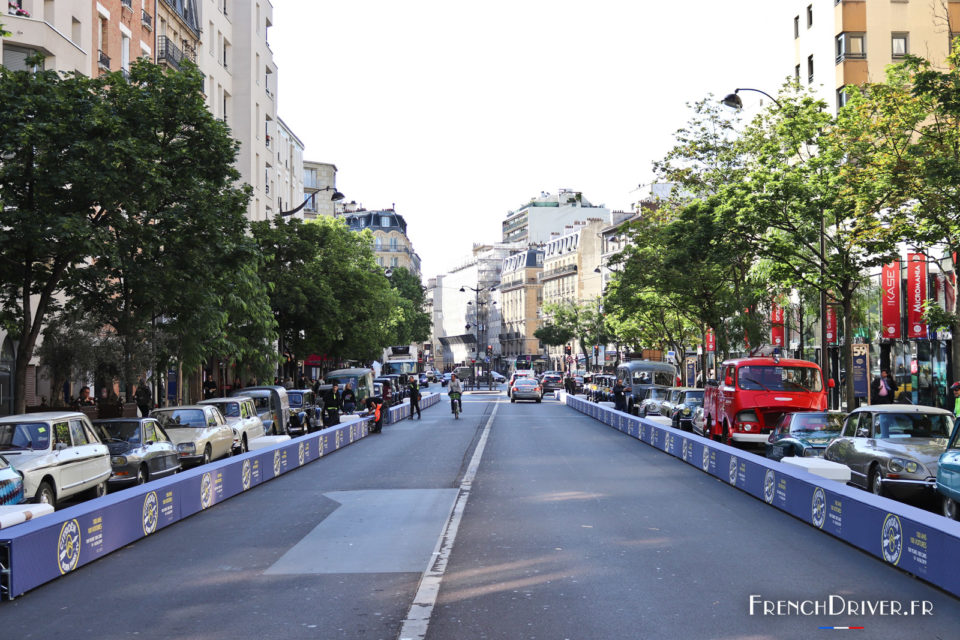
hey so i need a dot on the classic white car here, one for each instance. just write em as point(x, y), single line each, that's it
point(200, 432)
point(241, 414)
point(58, 453)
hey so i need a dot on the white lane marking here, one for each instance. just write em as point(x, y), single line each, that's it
point(418, 618)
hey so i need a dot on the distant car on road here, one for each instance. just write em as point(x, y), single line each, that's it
point(497, 377)
point(804, 434)
point(551, 382)
point(526, 389)
point(57, 452)
point(140, 450)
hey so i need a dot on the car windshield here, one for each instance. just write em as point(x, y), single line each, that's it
point(118, 431)
point(693, 398)
point(24, 435)
point(180, 418)
point(343, 381)
point(777, 378)
point(296, 399)
point(913, 425)
point(816, 423)
point(656, 394)
point(228, 409)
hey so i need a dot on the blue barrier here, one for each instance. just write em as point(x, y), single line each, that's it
point(46, 548)
point(922, 543)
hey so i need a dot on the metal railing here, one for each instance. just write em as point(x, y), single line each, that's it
point(146, 19)
point(168, 52)
point(559, 271)
point(127, 4)
point(103, 60)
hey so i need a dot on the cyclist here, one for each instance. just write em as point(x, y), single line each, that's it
point(455, 387)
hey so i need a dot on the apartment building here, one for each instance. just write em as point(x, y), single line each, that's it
point(320, 185)
point(287, 183)
point(122, 32)
point(60, 31)
point(178, 31)
point(391, 245)
point(241, 89)
point(533, 223)
point(520, 300)
point(839, 43)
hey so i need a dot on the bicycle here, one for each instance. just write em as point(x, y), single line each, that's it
point(455, 404)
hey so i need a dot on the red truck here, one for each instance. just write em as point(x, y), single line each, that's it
point(752, 394)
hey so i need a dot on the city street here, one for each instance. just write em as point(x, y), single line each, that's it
point(571, 530)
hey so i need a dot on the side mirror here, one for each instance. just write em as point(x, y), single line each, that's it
point(728, 381)
point(831, 383)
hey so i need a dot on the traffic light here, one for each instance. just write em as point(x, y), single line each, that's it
point(596, 350)
point(489, 349)
point(472, 361)
point(566, 349)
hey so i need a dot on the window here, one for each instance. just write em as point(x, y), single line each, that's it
point(842, 97)
point(850, 45)
point(809, 16)
point(796, 27)
point(384, 221)
point(809, 69)
point(393, 244)
point(796, 74)
point(899, 45)
point(79, 435)
point(394, 262)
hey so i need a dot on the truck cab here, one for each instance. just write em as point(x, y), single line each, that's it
point(752, 394)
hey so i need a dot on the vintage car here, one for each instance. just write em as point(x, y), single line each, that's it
point(361, 380)
point(306, 414)
point(673, 397)
point(526, 389)
point(654, 397)
point(893, 449)
point(804, 434)
point(638, 376)
point(57, 452)
point(240, 412)
point(199, 431)
point(273, 407)
point(948, 475)
point(682, 408)
point(386, 382)
point(11, 484)
point(140, 451)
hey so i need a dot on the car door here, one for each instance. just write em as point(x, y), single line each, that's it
point(152, 452)
point(221, 433)
point(169, 459)
point(85, 456)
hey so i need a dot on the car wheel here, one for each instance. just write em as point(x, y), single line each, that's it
point(876, 482)
point(949, 508)
point(244, 447)
point(538, 400)
point(513, 399)
point(207, 455)
point(142, 476)
point(46, 494)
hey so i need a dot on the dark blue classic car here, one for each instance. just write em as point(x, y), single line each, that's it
point(804, 434)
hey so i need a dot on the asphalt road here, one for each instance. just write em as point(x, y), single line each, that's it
point(571, 530)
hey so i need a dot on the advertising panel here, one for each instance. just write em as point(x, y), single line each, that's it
point(916, 295)
point(890, 302)
point(776, 324)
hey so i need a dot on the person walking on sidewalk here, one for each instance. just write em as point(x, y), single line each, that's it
point(415, 399)
point(883, 389)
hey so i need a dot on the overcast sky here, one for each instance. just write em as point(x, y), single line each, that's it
point(457, 113)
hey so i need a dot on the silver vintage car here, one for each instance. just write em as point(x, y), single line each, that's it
point(200, 432)
point(58, 453)
point(892, 449)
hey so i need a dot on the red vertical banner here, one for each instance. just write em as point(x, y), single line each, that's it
point(831, 325)
point(711, 340)
point(916, 294)
point(890, 302)
point(776, 324)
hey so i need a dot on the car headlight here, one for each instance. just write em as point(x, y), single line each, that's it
point(187, 447)
point(686, 411)
point(118, 461)
point(896, 465)
point(810, 452)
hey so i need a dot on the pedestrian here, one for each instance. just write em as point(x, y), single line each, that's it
point(237, 384)
point(375, 409)
point(348, 398)
point(288, 383)
point(883, 390)
point(331, 406)
point(619, 399)
point(210, 388)
point(387, 394)
point(85, 400)
point(955, 387)
point(414, 399)
point(302, 382)
point(143, 397)
point(252, 382)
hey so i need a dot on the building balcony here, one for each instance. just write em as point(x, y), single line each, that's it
point(558, 272)
point(170, 53)
point(103, 60)
point(146, 20)
point(127, 4)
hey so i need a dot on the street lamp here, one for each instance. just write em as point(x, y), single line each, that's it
point(733, 100)
point(476, 292)
point(312, 198)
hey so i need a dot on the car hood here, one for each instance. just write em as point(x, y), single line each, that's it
point(27, 460)
point(926, 451)
point(116, 448)
point(183, 434)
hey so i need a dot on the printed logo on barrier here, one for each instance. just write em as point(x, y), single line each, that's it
point(668, 442)
point(892, 539)
point(300, 454)
point(653, 436)
point(769, 486)
point(245, 476)
point(150, 514)
point(351, 434)
point(339, 438)
point(818, 508)
point(206, 491)
point(685, 447)
point(320, 440)
point(643, 431)
point(276, 463)
point(706, 458)
point(733, 469)
point(68, 546)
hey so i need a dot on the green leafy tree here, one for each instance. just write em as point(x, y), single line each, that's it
point(412, 322)
point(553, 335)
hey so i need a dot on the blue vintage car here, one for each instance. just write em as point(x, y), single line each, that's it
point(948, 475)
point(804, 434)
point(11, 484)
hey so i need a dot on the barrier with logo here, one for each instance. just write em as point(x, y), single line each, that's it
point(922, 543)
point(46, 548)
